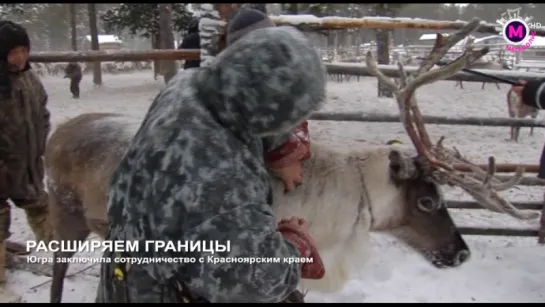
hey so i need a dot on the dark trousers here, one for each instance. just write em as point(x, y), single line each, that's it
point(74, 86)
point(34, 207)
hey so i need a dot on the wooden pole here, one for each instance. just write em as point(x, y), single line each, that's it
point(312, 23)
point(393, 72)
point(454, 204)
point(511, 168)
point(115, 56)
point(168, 67)
point(504, 232)
point(434, 120)
point(73, 29)
point(93, 29)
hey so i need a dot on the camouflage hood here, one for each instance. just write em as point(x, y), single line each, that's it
point(261, 83)
point(195, 169)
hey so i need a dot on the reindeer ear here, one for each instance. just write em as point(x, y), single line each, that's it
point(402, 166)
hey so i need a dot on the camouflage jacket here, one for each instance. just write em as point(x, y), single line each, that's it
point(24, 126)
point(195, 169)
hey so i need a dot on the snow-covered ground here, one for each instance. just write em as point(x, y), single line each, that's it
point(501, 269)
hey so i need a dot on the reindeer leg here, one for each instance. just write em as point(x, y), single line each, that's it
point(497, 85)
point(482, 86)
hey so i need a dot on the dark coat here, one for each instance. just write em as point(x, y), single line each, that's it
point(73, 71)
point(24, 126)
point(192, 41)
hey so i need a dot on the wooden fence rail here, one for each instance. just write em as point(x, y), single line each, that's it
point(115, 56)
point(491, 231)
point(473, 205)
point(434, 120)
point(505, 232)
point(393, 72)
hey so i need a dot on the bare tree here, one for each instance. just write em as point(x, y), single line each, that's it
point(97, 74)
point(73, 31)
point(168, 68)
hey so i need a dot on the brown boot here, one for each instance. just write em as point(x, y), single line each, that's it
point(6, 295)
point(38, 219)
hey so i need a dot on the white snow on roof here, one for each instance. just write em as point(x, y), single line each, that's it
point(105, 39)
point(429, 36)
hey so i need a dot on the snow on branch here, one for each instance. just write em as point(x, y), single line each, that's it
point(313, 23)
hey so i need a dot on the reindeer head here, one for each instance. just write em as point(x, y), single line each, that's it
point(439, 162)
point(423, 221)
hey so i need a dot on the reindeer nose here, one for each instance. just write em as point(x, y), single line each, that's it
point(462, 256)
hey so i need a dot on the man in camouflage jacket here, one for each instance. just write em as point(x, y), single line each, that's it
point(195, 172)
point(24, 125)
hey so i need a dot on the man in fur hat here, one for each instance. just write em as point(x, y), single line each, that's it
point(24, 125)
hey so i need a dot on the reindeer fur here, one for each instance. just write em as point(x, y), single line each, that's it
point(345, 194)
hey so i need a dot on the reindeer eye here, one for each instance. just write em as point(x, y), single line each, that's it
point(426, 204)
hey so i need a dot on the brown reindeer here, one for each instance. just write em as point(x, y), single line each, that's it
point(517, 109)
point(381, 189)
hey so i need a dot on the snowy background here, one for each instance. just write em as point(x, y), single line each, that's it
point(501, 269)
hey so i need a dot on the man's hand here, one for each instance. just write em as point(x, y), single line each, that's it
point(292, 175)
point(296, 230)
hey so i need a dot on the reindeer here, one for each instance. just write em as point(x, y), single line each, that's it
point(346, 194)
point(517, 109)
point(381, 189)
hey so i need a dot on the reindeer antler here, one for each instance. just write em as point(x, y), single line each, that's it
point(481, 185)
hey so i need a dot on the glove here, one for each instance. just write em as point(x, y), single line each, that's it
point(307, 249)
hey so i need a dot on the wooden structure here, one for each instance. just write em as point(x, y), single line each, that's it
point(116, 56)
point(392, 71)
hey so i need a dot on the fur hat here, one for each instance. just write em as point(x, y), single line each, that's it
point(245, 21)
point(12, 35)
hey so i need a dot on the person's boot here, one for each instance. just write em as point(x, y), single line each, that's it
point(6, 295)
point(38, 220)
